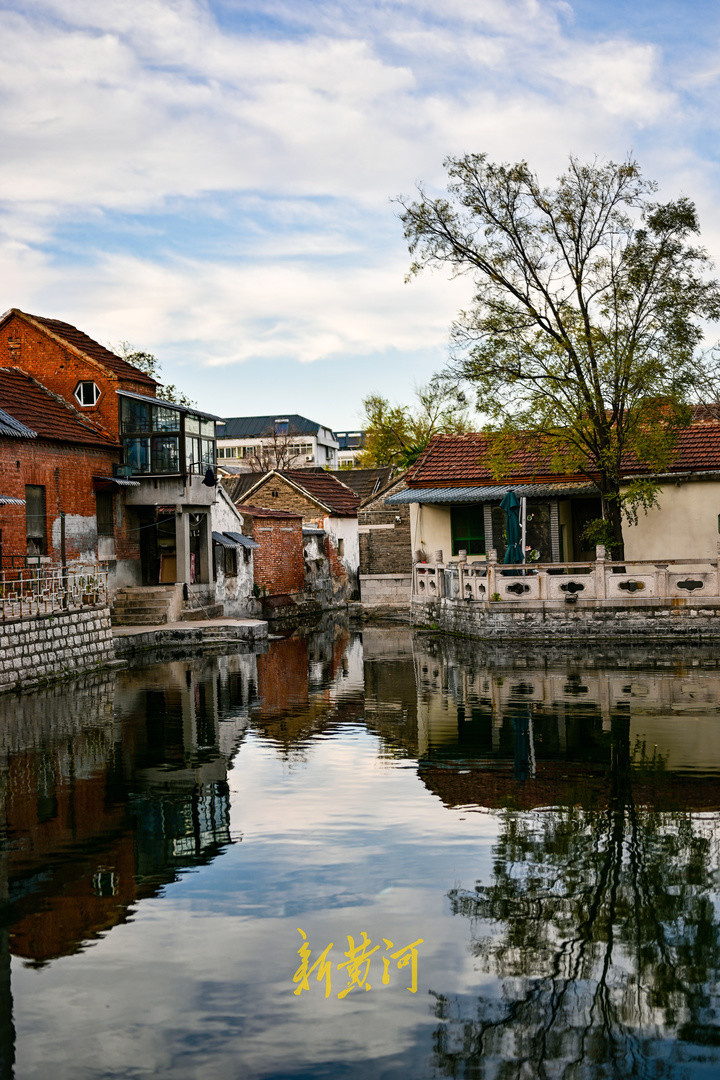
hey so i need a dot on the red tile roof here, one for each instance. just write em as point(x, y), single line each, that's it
point(467, 459)
point(450, 460)
point(25, 399)
point(325, 489)
point(84, 344)
point(697, 449)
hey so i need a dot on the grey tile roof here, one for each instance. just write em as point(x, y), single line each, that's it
point(449, 495)
point(12, 427)
point(256, 427)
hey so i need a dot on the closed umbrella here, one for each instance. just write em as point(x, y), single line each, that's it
point(511, 506)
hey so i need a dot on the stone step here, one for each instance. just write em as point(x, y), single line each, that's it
point(138, 620)
point(141, 605)
point(210, 611)
point(160, 592)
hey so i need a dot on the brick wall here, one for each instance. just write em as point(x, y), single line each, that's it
point(384, 541)
point(287, 498)
point(278, 561)
point(66, 473)
point(59, 369)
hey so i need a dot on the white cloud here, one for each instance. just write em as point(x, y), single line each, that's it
point(146, 106)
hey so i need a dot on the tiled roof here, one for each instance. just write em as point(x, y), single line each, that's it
point(494, 493)
point(236, 486)
point(324, 488)
point(93, 349)
point(13, 428)
point(697, 449)
point(451, 460)
point(47, 415)
point(257, 427)
point(364, 482)
point(260, 511)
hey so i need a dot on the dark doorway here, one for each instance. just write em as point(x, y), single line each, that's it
point(582, 511)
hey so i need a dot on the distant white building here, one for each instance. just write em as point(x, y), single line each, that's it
point(350, 445)
point(285, 441)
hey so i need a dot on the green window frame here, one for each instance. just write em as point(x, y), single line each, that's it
point(467, 525)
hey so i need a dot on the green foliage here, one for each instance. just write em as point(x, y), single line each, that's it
point(599, 531)
point(149, 364)
point(588, 309)
point(398, 434)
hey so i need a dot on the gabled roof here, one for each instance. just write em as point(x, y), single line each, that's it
point(45, 414)
point(237, 485)
point(260, 511)
point(258, 427)
point(79, 341)
point(364, 482)
point(321, 487)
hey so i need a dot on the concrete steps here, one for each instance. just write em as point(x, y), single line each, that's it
point(142, 606)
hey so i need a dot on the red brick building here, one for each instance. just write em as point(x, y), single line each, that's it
point(54, 461)
point(86, 440)
point(279, 562)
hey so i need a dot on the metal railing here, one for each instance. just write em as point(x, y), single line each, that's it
point(43, 590)
point(598, 580)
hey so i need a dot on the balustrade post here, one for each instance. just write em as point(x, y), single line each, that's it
point(491, 573)
point(600, 572)
point(440, 574)
point(662, 580)
point(462, 563)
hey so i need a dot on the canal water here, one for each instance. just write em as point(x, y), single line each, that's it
point(377, 855)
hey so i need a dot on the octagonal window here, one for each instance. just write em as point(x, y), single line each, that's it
point(87, 393)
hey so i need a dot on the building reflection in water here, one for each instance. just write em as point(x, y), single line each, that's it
point(597, 926)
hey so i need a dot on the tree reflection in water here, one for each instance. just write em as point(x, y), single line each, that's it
point(602, 927)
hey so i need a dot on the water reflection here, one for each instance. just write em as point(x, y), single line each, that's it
point(549, 825)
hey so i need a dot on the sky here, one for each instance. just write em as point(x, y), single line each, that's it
point(214, 182)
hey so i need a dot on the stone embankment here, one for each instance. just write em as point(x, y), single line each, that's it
point(46, 648)
point(673, 619)
point(35, 650)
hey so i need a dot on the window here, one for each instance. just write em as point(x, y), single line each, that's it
point(87, 393)
point(341, 547)
point(153, 440)
point(35, 520)
point(281, 426)
point(104, 510)
point(468, 529)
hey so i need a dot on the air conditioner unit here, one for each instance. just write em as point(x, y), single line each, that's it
point(309, 457)
point(122, 470)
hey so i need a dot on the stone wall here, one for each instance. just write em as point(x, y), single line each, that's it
point(386, 590)
point(666, 620)
point(385, 546)
point(48, 647)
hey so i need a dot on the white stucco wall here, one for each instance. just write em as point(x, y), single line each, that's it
point(235, 593)
point(684, 525)
point(345, 529)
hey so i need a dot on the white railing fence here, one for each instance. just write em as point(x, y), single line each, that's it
point(568, 582)
point(43, 590)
